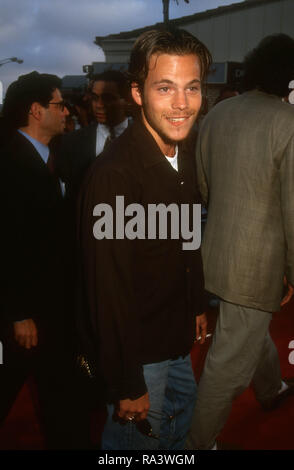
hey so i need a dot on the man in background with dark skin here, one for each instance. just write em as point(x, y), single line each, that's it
point(37, 321)
point(142, 296)
point(79, 149)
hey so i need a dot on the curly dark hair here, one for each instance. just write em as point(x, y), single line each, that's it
point(270, 66)
point(172, 41)
point(27, 89)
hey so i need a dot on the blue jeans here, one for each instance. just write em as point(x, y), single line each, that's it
point(172, 395)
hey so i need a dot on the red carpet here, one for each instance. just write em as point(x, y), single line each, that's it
point(248, 426)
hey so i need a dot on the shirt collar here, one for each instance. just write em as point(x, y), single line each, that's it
point(150, 152)
point(118, 129)
point(175, 155)
point(121, 127)
point(42, 149)
point(173, 161)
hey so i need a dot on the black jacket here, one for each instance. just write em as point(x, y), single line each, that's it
point(33, 236)
point(141, 295)
point(74, 154)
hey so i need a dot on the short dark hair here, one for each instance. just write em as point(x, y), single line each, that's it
point(112, 76)
point(270, 66)
point(173, 41)
point(27, 89)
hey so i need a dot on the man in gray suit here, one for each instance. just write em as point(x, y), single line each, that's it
point(245, 160)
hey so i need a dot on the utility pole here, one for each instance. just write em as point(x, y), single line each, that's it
point(165, 4)
point(165, 11)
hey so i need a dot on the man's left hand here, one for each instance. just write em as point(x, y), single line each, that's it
point(201, 327)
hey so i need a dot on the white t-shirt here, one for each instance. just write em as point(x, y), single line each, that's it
point(173, 160)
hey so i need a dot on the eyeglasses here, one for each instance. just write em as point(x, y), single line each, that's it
point(144, 426)
point(62, 104)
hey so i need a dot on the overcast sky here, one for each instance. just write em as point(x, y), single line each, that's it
point(56, 36)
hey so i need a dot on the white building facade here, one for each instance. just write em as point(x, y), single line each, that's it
point(229, 32)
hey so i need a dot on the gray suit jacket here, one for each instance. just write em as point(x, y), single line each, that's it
point(245, 164)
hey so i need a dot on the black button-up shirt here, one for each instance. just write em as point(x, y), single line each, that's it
point(142, 295)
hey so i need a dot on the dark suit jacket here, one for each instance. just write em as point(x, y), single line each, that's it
point(34, 284)
point(141, 295)
point(33, 236)
point(74, 154)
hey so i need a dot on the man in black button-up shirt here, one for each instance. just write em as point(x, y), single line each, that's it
point(142, 294)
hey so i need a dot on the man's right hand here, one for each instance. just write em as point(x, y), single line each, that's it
point(289, 290)
point(134, 409)
point(25, 333)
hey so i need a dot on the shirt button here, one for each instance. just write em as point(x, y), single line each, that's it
point(182, 182)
